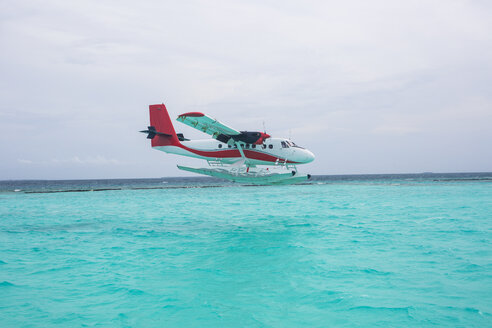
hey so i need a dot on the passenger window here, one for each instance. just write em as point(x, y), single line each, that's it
point(247, 146)
point(229, 146)
point(270, 146)
point(253, 146)
point(264, 146)
point(220, 145)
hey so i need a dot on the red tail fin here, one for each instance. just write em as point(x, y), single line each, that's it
point(159, 118)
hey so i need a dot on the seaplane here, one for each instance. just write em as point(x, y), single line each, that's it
point(246, 157)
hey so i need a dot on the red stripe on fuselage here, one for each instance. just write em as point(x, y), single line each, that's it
point(232, 153)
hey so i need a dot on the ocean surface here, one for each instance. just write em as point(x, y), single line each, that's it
point(341, 251)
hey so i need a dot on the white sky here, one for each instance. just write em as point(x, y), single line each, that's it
point(368, 86)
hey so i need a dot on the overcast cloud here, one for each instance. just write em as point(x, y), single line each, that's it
point(368, 86)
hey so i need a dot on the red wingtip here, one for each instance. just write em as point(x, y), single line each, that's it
point(192, 114)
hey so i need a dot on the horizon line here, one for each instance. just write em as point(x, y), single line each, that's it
point(204, 177)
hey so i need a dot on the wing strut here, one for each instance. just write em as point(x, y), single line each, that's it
point(245, 159)
point(240, 150)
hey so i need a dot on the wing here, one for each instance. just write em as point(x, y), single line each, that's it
point(206, 124)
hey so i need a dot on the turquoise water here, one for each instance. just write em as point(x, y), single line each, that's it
point(359, 251)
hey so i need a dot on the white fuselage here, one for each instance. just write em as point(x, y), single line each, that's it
point(272, 151)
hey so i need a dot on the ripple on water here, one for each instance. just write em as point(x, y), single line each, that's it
point(6, 284)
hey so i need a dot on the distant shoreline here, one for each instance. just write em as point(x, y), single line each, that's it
point(352, 175)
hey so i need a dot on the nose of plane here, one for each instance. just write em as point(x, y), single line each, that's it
point(308, 156)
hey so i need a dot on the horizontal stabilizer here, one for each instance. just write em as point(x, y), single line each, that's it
point(152, 132)
point(181, 137)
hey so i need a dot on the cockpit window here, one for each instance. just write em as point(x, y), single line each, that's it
point(292, 144)
point(284, 144)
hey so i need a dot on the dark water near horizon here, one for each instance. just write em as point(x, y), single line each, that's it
point(400, 250)
point(34, 186)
